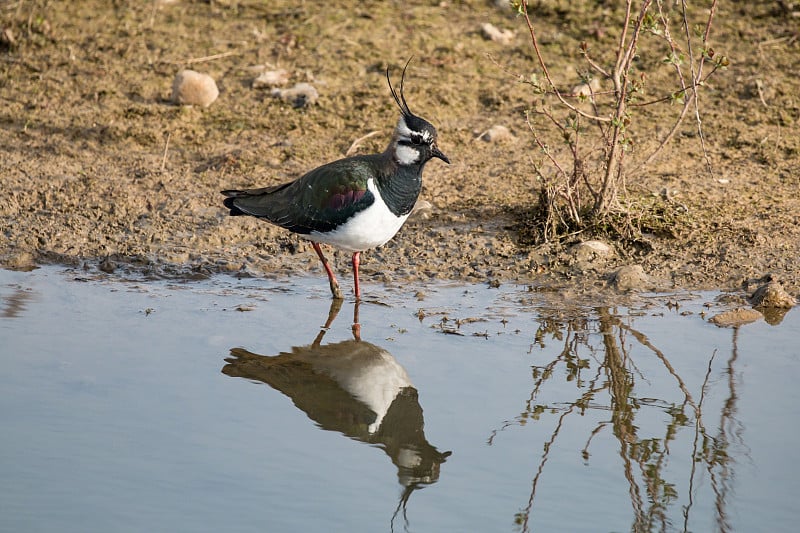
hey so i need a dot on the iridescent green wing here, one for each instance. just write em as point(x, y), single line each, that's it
point(319, 201)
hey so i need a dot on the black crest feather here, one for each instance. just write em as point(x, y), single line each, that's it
point(401, 100)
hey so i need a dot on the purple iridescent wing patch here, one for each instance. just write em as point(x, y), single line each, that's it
point(343, 200)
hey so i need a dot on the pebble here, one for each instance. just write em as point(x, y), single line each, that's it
point(735, 317)
point(271, 78)
point(630, 277)
point(422, 210)
point(497, 133)
point(107, 265)
point(772, 295)
point(301, 95)
point(493, 33)
point(7, 38)
point(194, 88)
point(590, 251)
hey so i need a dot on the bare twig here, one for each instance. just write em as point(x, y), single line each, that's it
point(543, 146)
point(595, 65)
point(543, 66)
point(613, 168)
point(695, 77)
point(697, 81)
point(672, 96)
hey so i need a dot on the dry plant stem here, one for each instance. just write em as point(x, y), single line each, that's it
point(568, 195)
point(676, 125)
point(695, 77)
point(543, 146)
point(548, 188)
point(711, 11)
point(577, 171)
point(594, 65)
point(697, 81)
point(625, 54)
point(543, 66)
point(602, 128)
point(621, 46)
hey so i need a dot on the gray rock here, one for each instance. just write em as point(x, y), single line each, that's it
point(772, 295)
point(591, 251)
point(773, 302)
point(630, 278)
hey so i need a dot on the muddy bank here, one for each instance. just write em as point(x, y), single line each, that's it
point(99, 167)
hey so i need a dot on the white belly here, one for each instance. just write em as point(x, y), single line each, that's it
point(368, 229)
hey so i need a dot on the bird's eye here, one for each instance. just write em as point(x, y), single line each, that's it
point(418, 138)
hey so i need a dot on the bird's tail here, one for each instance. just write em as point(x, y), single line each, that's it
point(229, 202)
point(251, 200)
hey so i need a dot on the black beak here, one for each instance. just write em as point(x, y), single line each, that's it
point(435, 152)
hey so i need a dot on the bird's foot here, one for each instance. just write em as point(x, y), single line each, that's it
point(336, 291)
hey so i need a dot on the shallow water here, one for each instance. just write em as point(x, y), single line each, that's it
point(223, 406)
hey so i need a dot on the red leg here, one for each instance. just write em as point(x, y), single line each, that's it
point(356, 262)
point(335, 290)
point(336, 305)
point(356, 324)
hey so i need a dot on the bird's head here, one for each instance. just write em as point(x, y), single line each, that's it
point(414, 140)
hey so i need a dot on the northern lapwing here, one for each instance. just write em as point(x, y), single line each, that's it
point(353, 204)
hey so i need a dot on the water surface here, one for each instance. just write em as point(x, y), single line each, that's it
point(225, 405)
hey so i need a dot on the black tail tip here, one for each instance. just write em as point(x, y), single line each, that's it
point(235, 211)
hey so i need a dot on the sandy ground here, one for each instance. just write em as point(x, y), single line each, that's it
point(98, 167)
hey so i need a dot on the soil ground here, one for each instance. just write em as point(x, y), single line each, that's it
point(98, 167)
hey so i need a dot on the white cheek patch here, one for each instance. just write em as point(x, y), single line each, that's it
point(406, 155)
point(402, 128)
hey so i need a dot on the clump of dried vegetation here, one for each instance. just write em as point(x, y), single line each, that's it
point(593, 137)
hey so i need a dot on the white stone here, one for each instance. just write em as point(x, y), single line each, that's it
point(194, 88)
point(422, 210)
point(493, 33)
point(271, 78)
point(301, 95)
point(497, 133)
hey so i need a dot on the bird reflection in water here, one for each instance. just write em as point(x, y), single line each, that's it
point(356, 388)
